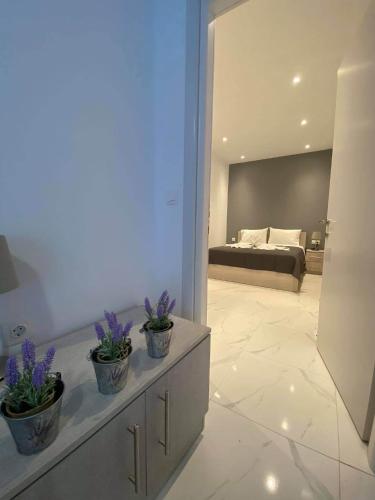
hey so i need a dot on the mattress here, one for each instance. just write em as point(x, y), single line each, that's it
point(290, 261)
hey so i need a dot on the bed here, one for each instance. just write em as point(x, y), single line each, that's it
point(279, 269)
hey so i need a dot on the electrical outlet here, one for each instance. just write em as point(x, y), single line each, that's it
point(234, 240)
point(16, 333)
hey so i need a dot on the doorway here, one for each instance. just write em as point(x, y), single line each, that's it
point(288, 375)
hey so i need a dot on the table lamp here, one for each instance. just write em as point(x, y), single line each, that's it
point(315, 240)
point(8, 277)
point(8, 282)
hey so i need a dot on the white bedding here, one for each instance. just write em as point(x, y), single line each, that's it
point(253, 236)
point(284, 236)
point(263, 246)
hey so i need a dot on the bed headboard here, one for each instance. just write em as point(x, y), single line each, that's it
point(302, 238)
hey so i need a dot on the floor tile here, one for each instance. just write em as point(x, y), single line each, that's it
point(353, 451)
point(223, 357)
point(236, 324)
point(236, 460)
point(275, 418)
point(293, 402)
point(284, 345)
point(356, 485)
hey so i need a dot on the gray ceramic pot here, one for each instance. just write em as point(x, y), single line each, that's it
point(158, 341)
point(36, 432)
point(111, 376)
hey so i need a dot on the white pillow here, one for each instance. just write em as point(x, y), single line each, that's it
point(253, 236)
point(284, 236)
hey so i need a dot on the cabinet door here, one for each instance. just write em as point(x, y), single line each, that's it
point(176, 405)
point(189, 383)
point(110, 464)
point(159, 460)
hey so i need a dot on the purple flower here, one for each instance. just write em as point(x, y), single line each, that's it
point(100, 333)
point(127, 328)
point(164, 297)
point(148, 307)
point(166, 302)
point(28, 354)
point(111, 320)
point(12, 374)
point(160, 310)
point(39, 375)
point(117, 333)
point(48, 359)
point(171, 306)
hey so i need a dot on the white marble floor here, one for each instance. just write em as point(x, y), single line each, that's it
point(276, 426)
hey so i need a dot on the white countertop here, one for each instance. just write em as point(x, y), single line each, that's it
point(84, 409)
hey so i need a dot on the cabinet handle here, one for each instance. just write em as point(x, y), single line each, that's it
point(166, 441)
point(135, 479)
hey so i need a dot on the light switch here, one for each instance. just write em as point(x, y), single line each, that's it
point(171, 198)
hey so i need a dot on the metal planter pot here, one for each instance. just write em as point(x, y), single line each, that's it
point(111, 376)
point(158, 342)
point(36, 432)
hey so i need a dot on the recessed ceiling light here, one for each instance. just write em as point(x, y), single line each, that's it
point(225, 139)
point(243, 157)
point(307, 146)
point(296, 80)
point(303, 122)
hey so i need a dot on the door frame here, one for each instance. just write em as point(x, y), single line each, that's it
point(200, 31)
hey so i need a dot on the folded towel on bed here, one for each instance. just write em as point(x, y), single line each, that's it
point(239, 245)
point(270, 246)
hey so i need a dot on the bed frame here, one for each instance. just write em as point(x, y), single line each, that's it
point(268, 279)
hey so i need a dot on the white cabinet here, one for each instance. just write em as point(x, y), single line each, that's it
point(134, 454)
point(111, 464)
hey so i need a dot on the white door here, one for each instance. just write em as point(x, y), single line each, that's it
point(346, 338)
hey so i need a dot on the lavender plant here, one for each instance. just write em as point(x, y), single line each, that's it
point(34, 384)
point(114, 340)
point(158, 316)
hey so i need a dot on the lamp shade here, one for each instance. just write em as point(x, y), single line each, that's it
point(8, 277)
point(317, 235)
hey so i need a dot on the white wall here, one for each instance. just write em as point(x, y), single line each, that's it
point(218, 202)
point(169, 21)
point(78, 177)
point(93, 155)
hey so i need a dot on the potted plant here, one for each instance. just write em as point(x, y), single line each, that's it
point(158, 327)
point(111, 357)
point(32, 400)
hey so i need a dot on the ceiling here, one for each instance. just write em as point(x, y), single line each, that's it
point(259, 47)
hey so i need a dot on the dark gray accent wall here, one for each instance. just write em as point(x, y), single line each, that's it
point(289, 192)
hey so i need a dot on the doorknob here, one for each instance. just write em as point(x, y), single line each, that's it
point(327, 223)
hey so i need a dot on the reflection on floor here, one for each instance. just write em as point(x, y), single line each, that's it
point(276, 426)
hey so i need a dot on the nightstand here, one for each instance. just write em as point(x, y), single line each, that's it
point(314, 261)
